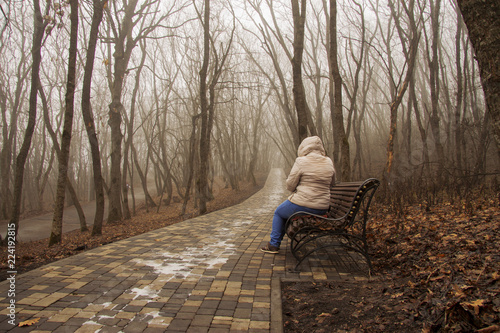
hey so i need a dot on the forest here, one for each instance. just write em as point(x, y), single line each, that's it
point(99, 98)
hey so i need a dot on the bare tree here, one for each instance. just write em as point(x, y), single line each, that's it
point(56, 233)
point(256, 137)
point(483, 24)
point(124, 44)
point(57, 149)
point(314, 70)
point(340, 138)
point(434, 84)
point(299, 20)
point(125, 40)
point(410, 52)
point(206, 118)
point(88, 117)
point(272, 34)
point(207, 105)
point(458, 107)
point(9, 125)
point(130, 131)
point(39, 29)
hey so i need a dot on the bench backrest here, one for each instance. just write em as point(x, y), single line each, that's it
point(347, 198)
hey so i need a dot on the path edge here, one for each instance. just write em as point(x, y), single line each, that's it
point(276, 306)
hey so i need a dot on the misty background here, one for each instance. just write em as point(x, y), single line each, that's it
point(181, 92)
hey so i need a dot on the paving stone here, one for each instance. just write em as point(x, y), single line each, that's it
point(179, 324)
point(205, 274)
point(154, 330)
point(75, 322)
point(219, 329)
point(108, 321)
point(49, 326)
point(108, 329)
point(196, 329)
point(224, 312)
point(207, 311)
point(135, 327)
point(67, 328)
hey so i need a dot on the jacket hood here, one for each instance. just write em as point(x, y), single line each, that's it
point(309, 145)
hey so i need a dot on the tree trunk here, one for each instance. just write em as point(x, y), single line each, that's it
point(299, 19)
point(412, 55)
point(39, 28)
point(421, 127)
point(122, 52)
point(149, 200)
point(56, 233)
point(458, 108)
point(202, 182)
point(341, 142)
point(483, 23)
point(57, 149)
point(434, 86)
point(115, 119)
point(88, 117)
point(5, 159)
point(6, 196)
point(192, 149)
point(130, 132)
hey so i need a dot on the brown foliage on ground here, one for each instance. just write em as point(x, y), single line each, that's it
point(435, 270)
point(33, 254)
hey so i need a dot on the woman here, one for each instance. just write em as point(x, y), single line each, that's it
point(310, 180)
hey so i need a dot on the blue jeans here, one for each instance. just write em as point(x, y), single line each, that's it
point(281, 215)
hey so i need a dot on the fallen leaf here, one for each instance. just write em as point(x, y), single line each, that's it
point(436, 278)
point(489, 329)
point(320, 320)
point(29, 322)
point(396, 295)
point(476, 305)
point(458, 291)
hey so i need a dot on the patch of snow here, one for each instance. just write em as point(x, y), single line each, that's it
point(146, 291)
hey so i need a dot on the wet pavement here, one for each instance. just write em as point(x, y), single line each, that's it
point(206, 274)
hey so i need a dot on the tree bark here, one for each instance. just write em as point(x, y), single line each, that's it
point(149, 200)
point(202, 182)
point(192, 152)
point(412, 55)
point(124, 45)
point(340, 139)
point(6, 196)
point(56, 233)
point(434, 86)
point(299, 19)
point(459, 99)
point(130, 130)
point(482, 18)
point(88, 117)
point(39, 28)
point(57, 149)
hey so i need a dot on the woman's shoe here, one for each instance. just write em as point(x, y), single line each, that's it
point(270, 249)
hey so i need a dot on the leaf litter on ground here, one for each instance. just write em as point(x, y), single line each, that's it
point(435, 271)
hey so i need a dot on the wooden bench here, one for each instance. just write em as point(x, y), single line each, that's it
point(343, 226)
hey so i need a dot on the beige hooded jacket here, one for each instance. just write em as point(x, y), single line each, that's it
point(311, 176)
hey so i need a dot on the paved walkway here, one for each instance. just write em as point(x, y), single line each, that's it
point(205, 274)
